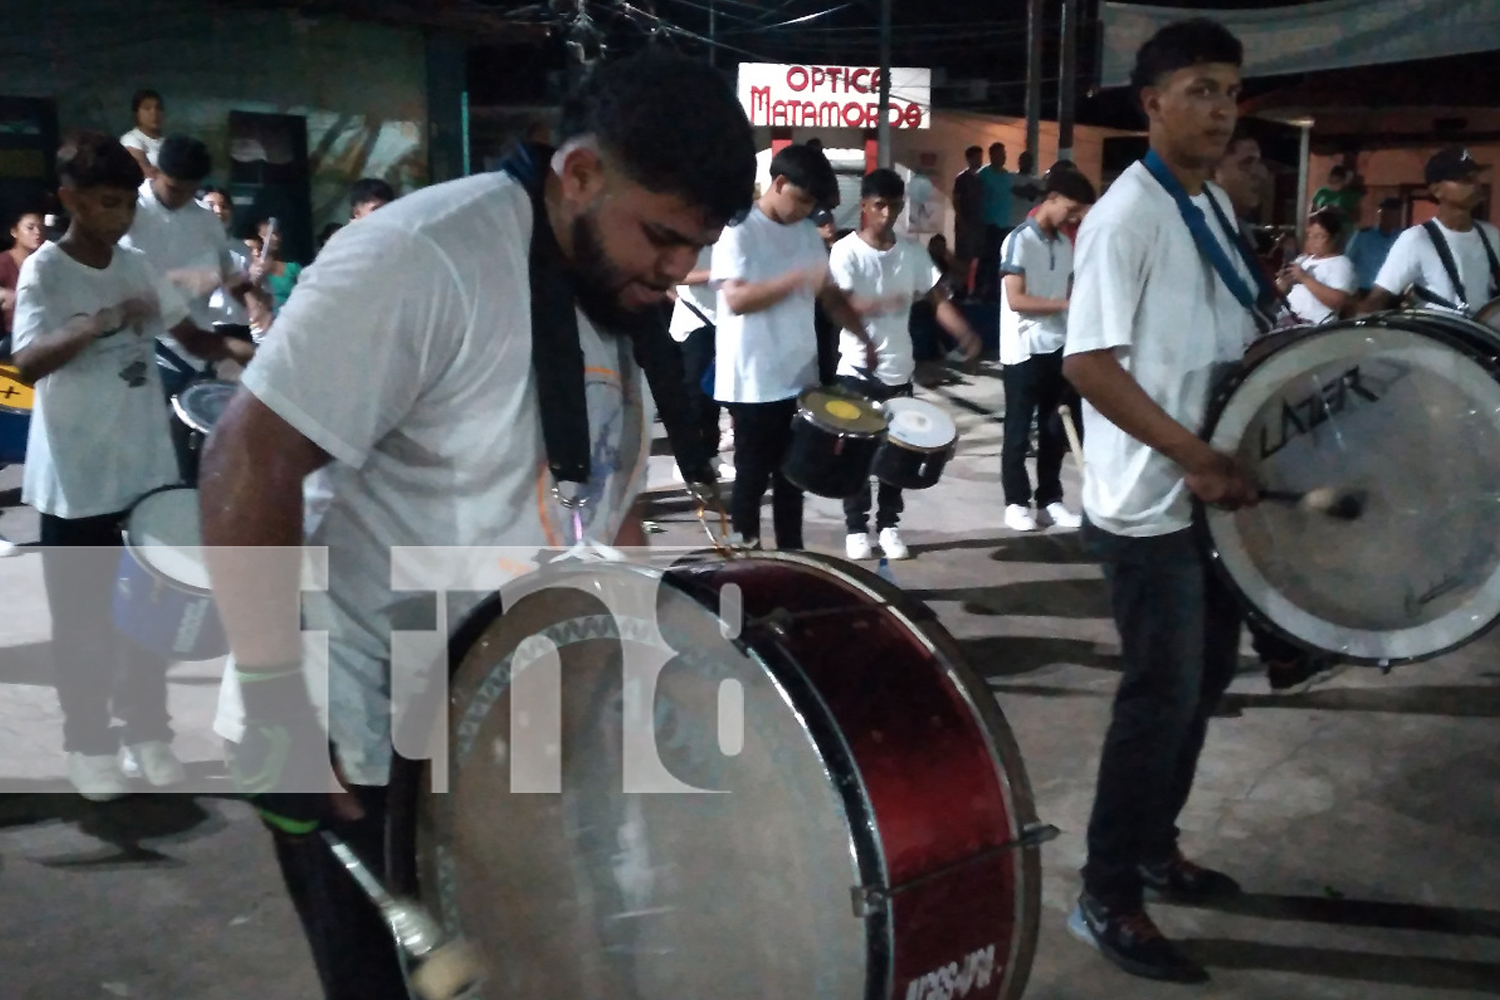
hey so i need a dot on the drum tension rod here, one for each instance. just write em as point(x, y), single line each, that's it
point(868, 899)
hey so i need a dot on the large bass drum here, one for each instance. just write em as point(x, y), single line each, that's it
point(867, 833)
point(1399, 412)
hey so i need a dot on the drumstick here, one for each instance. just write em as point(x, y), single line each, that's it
point(448, 968)
point(1344, 505)
point(1065, 414)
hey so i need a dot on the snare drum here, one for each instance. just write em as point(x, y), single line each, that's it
point(1403, 411)
point(834, 441)
point(15, 416)
point(200, 405)
point(847, 815)
point(921, 440)
point(162, 598)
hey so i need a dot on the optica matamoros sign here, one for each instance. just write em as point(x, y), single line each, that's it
point(833, 96)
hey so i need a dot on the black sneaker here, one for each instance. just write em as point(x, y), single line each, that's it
point(1132, 941)
point(1180, 880)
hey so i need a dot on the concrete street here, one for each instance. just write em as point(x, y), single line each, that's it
point(1363, 817)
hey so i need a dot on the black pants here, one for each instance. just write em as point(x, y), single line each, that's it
point(1033, 389)
point(762, 435)
point(987, 283)
point(351, 947)
point(95, 668)
point(891, 503)
point(697, 358)
point(1179, 633)
point(184, 440)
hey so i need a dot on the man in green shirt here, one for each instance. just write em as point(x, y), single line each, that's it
point(1340, 195)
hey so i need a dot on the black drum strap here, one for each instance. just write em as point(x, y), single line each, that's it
point(1489, 251)
point(557, 355)
point(1445, 254)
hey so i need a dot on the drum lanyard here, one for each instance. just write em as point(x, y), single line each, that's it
point(1211, 248)
point(1445, 254)
point(557, 355)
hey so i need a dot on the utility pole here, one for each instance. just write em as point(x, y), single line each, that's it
point(1067, 80)
point(883, 131)
point(1034, 79)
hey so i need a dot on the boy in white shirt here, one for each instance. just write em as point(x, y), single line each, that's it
point(1161, 301)
point(770, 269)
point(87, 316)
point(1468, 275)
point(883, 276)
point(1036, 276)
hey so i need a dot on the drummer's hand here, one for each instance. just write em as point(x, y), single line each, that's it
point(196, 282)
point(872, 355)
point(1219, 482)
point(282, 763)
point(137, 310)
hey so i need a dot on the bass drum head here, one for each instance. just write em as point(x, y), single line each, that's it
point(201, 404)
point(1403, 415)
point(591, 893)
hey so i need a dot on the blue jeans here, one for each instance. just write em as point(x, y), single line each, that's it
point(1179, 634)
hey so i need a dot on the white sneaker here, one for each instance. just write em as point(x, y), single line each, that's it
point(1018, 518)
point(97, 777)
point(857, 547)
point(1057, 514)
point(8, 547)
point(157, 763)
point(892, 545)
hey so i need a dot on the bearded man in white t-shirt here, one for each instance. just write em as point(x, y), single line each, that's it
point(1416, 260)
point(1150, 323)
point(404, 367)
point(884, 276)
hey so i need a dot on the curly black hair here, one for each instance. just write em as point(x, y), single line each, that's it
point(673, 124)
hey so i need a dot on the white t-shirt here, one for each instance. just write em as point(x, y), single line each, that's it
point(1047, 266)
point(703, 298)
point(187, 238)
point(406, 355)
point(901, 275)
point(1413, 260)
point(99, 439)
point(769, 355)
point(1335, 272)
point(136, 139)
point(1142, 288)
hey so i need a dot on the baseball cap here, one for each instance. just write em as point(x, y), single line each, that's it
point(1452, 164)
point(822, 217)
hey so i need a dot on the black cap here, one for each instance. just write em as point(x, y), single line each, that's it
point(184, 158)
point(822, 217)
point(1452, 164)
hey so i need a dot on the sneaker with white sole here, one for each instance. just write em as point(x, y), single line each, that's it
point(97, 777)
point(157, 763)
point(1057, 515)
point(1018, 518)
point(8, 547)
point(892, 545)
point(857, 547)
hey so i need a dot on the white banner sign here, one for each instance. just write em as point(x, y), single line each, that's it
point(1335, 34)
point(833, 96)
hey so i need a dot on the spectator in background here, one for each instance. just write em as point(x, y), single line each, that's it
point(968, 213)
point(996, 182)
point(1026, 191)
point(953, 278)
point(280, 275)
point(1339, 194)
point(1321, 282)
point(1369, 247)
point(327, 234)
point(26, 237)
point(217, 201)
point(367, 194)
point(144, 139)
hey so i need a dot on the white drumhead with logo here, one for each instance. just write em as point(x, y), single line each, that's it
point(919, 424)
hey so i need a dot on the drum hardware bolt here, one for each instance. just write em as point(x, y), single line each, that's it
point(446, 968)
point(869, 898)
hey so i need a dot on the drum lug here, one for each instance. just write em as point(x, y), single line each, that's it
point(868, 900)
point(1037, 834)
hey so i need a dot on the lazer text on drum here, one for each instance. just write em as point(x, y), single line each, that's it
point(1313, 410)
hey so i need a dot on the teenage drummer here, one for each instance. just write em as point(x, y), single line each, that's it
point(1453, 260)
point(1161, 299)
point(421, 399)
point(1036, 276)
point(883, 276)
point(88, 313)
point(771, 268)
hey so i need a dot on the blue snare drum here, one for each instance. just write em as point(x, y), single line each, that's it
point(162, 597)
point(15, 416)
